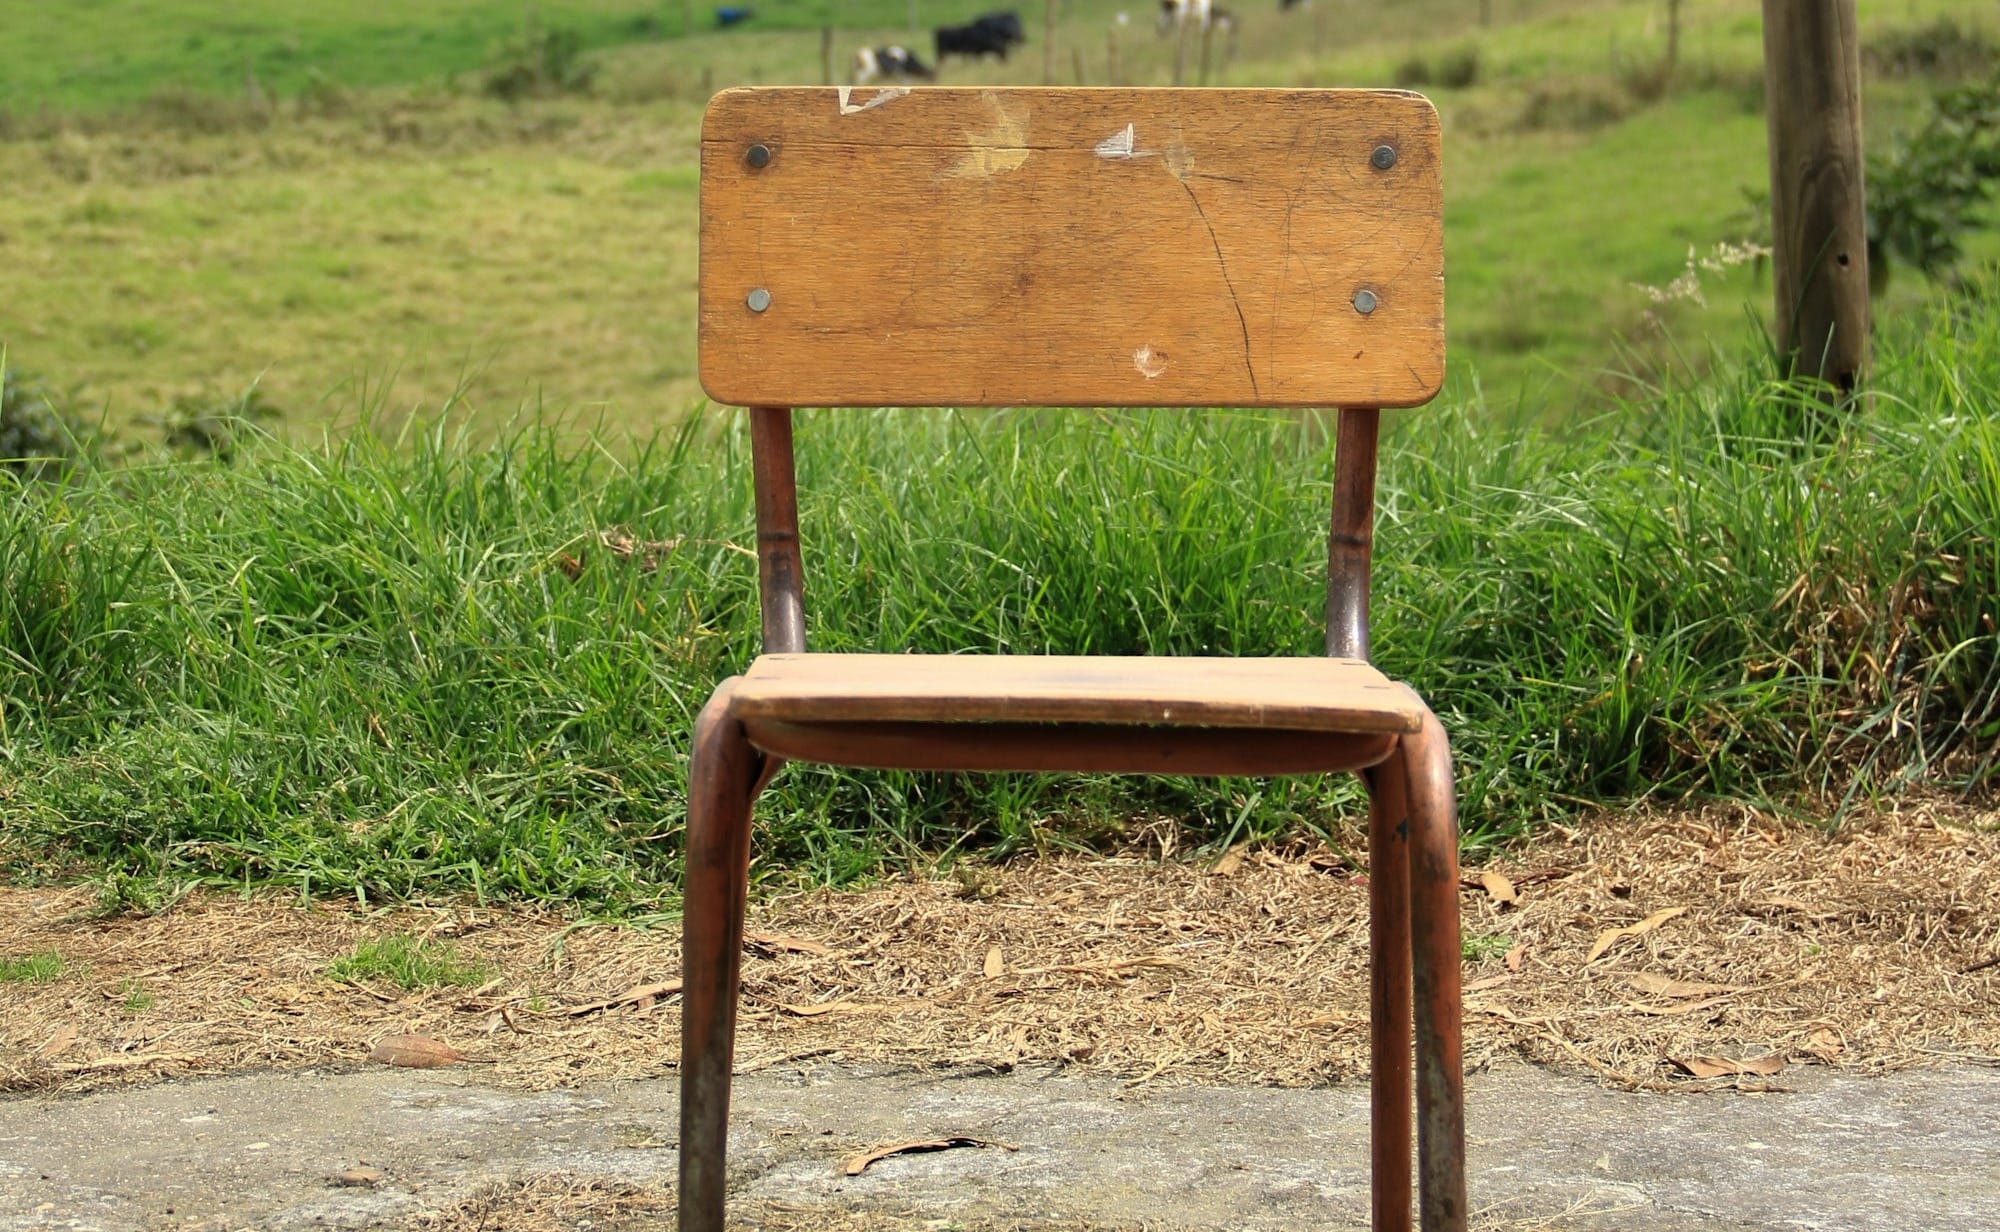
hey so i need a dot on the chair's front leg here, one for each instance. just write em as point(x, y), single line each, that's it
point(722, 778)
point(1433, 865)
point(1389, 1085)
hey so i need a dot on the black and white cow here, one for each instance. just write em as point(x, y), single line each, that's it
point(993, 34)
point(1200, 14)
point(889, 64)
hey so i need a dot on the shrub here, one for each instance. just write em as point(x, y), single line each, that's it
point(1926, 195)
point(1576, 106)
point(1454, 70)
point(36, 436)
point(1946, 48)
point(216, 427)
point(540, 61)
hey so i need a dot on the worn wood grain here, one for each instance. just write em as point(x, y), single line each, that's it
point(1097, 247)
point(1336, 695)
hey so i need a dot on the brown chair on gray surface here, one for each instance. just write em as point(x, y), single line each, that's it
point(1082, 247)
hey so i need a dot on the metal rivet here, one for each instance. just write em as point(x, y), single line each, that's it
point(760, 299)
point(1384, 157)
point(760, 155)
point(1364, 301)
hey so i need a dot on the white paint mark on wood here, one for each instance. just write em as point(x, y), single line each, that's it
point(1000, 149)
point(881, 96)
point(1123, 144)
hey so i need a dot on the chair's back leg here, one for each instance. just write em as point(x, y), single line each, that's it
point(1435, 946)
point(1389, 1082)
point(720, 786)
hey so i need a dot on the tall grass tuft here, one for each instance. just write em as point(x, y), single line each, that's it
point(399, 668)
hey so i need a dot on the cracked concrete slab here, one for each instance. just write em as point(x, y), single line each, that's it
point(1905, 1152)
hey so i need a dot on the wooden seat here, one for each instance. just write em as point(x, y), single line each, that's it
point(1325, 695)
point(1082, 247)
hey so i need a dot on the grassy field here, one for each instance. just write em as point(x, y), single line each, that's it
point(446, 631)
point(399, 667)
point(331, 235)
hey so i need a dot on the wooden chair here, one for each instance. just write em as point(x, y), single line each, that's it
point(1081, 247)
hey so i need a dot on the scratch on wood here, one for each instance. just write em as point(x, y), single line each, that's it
point(1235, 302)
point(876, 100)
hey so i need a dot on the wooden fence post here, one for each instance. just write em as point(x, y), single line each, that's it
point(1049, 43)
point(1819, 238)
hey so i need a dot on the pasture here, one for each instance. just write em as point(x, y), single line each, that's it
point(330, 208)
point(447, 630)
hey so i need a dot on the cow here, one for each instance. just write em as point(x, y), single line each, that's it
point(889, 64)
point(993, 34)
point(1201, 14)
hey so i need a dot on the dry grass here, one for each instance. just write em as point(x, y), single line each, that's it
point(1862, 949)
point(557, 1202)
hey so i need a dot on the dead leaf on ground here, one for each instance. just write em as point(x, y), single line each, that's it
point(777, 943)
point(639, 995)
point(1612, 936)
point(1725, 1067)
point(1673, 1008)
point(413, 1052)
point(356, 1178)
point(1114, 965)
point(996, 964)
point(1500, 889)
point(1231, 861)
point(1665, 986)
point(823, 1007)
point(1514, 956)
point(59, 1043)
point(1491, 981)
point(858, 1164)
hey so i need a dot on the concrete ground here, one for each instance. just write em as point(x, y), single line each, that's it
point(1905, 1152)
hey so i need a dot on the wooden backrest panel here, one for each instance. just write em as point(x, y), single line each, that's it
point(1071, 247)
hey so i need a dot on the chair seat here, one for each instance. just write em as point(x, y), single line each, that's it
point(1312, 695)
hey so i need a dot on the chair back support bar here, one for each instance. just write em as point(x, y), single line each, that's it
point(1350, 541)
point(780, 570)
point(1071, 247)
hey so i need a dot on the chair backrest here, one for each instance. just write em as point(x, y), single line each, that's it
point(1071, 247)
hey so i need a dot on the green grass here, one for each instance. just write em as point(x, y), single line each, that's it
point(408, 667)
point(438, 243)
point(32, 968)
point(97, 53)
point(409, 963)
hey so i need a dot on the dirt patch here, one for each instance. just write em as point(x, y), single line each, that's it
point(1731, 946)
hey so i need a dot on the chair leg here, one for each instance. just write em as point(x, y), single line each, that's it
point(1433, 863)
point(721, 778)
point(1389, 1082)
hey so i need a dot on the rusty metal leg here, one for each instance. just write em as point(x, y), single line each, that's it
point(1433, 821)
point(1389, 1084)
point(721, 777)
